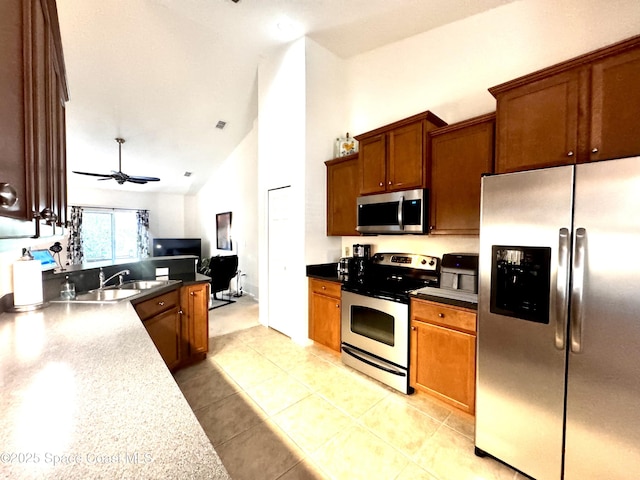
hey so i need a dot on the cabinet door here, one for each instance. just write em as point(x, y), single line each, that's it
point(615, 103)
point(537, 123)
point(164, 330)
point(373, 168)
point(458, 159)
point(324, 320)
point(443, 364)
point(406, 157)
point(342, 192)
point(198, 318)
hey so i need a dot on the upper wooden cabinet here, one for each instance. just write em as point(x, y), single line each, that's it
point(32, 119)
point(460, 154)
point(578, 111)
point(342, 190)
point(395, 157)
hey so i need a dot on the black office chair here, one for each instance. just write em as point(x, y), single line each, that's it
point(221, 269)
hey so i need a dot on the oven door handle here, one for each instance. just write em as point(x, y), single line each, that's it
point(350, 352)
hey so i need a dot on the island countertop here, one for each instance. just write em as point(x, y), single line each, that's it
point(85, 394)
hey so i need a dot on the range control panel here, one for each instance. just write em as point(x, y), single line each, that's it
point(408, 260)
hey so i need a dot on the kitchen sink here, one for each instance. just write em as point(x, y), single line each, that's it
point(142, 284)
point(108, 295)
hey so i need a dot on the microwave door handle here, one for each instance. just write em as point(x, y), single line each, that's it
point(400, 215)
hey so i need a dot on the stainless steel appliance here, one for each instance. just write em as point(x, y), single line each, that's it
point(375, 315)
point(345, 266)
point(361, 256)
point(558, 334)
point(458, 278)
point(396, 212)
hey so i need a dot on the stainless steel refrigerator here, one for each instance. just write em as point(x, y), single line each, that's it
point(558, 352)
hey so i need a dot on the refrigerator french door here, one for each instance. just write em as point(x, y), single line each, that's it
point(558, 353)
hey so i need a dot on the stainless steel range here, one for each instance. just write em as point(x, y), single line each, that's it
point(375, 315)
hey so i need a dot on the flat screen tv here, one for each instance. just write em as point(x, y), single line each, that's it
point(169, 247)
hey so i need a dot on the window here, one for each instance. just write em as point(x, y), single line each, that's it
point(109, 234)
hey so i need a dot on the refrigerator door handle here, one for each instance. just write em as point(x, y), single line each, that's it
point(561, 288)
point(577, 291)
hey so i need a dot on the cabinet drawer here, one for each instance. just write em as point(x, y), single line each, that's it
point(331, 289)
point(447, 316)
point(157, 305)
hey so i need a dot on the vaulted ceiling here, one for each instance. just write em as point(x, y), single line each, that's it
point(162, 73)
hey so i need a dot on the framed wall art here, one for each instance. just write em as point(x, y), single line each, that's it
point(223, 231)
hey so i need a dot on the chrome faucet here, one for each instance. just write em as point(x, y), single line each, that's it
point(120, 275)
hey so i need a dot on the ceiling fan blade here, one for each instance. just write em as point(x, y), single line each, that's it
point(93, 174)
point(102, 179)
point(146, 179)
point(135, 180)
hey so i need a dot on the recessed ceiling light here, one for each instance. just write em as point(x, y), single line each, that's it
point(221, 124)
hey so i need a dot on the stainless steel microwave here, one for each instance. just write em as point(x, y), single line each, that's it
point(396, 212)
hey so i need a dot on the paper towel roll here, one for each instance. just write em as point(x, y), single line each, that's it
point(27, 282)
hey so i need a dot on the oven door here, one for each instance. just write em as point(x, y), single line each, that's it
point(379, 327)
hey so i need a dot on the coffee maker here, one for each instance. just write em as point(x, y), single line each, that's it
point(361, 256)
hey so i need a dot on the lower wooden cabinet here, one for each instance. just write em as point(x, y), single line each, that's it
point(443, 352)
point(324, 312)
point(161, 316)
point(194, 300)
point(164, 330)
point(178, 323)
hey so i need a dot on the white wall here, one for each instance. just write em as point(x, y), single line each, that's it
point(448, 70)
point(326, 120)
point(232, 188)
point(281, 151)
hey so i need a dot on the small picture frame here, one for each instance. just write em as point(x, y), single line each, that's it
point(223, 231)
point(345, 146)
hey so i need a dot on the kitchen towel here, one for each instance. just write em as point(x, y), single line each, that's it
point(27, 282)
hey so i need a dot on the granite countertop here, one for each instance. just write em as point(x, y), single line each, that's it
point(324, 271)
point(85, 394)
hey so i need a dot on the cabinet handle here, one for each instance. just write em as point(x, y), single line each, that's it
point(594, 150)
point(161, 304)
point(337, 305)
point(324, 288)
point(180, 312)
point(381, 184)
point(441, 315)
point(414, 328)
point(570, 154)
point(8, 196)
point(390, 183)
point(192, 294)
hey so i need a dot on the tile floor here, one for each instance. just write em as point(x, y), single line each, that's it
point(276, 410)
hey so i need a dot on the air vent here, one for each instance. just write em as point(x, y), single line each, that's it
point(221, 124)
point(187, 174)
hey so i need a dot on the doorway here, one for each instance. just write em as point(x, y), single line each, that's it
point(279, 257)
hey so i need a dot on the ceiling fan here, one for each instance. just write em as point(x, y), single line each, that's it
point(119, 176)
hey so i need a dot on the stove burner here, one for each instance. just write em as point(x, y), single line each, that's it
point(393, 275)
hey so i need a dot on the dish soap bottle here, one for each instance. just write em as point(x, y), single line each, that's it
point(67, 289)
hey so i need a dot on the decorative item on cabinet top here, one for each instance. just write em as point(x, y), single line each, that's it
point(345, 146)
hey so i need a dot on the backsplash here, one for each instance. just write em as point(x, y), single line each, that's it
point(434, 245)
